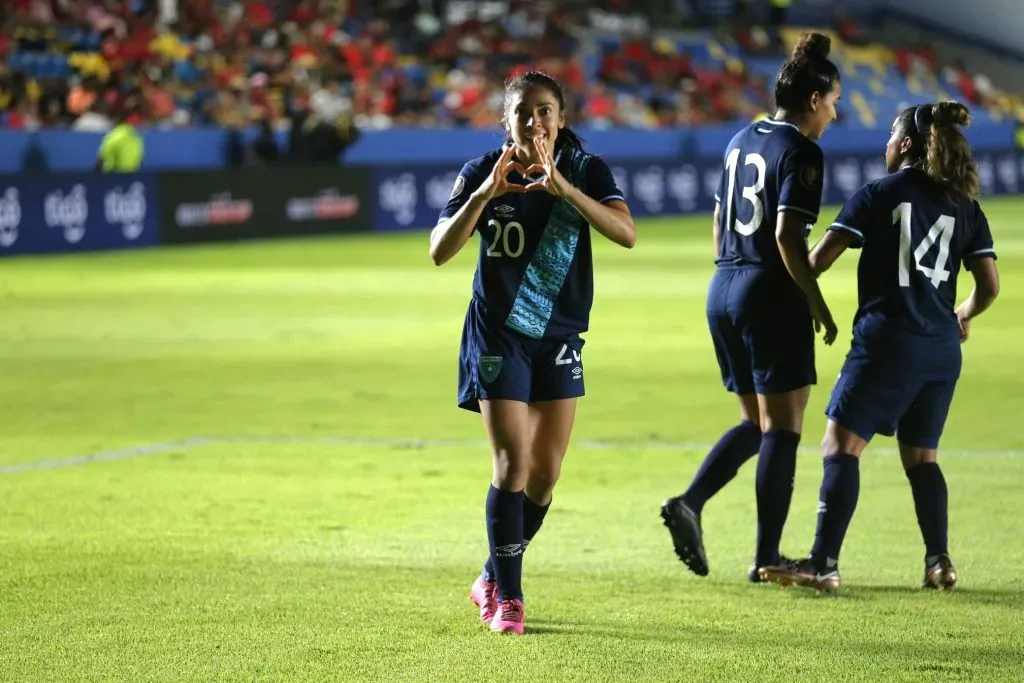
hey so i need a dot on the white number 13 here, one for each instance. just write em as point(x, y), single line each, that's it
point(751, 193)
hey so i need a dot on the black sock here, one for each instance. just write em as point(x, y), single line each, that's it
point(836, 502)
point(931, 501)
point(505, 535)
point(533, 518)
point(723, 461)
point(776, 468)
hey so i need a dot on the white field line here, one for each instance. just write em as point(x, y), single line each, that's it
point(416, 444)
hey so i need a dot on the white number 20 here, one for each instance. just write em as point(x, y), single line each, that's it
point(751, 193)
point(502, 244)
point(941, 232)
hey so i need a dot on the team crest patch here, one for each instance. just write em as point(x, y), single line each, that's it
point(809, 176)
point(460, 183)
point(490, 366)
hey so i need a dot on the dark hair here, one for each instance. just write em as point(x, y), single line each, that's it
point(809, 71)
point(938, 145)
point(566, 136)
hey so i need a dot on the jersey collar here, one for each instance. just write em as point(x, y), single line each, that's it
point(775, 122)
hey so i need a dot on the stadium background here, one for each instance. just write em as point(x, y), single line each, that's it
point(400, 94)
point(241, 460)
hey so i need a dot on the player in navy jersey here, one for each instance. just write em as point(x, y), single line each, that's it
point(764, 304)
point(520, 364)
point(915, 227)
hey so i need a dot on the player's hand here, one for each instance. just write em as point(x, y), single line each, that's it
point(965, 325)
point(497, 182)
point(823, 319)
point(551, 181)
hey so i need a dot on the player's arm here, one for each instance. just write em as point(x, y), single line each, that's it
point(601, 204)
point(981, 261)
point(828, 249)
point(451, 234)
point(611, 218)
point(801, 173)
point(986, 289)
point(790, 236)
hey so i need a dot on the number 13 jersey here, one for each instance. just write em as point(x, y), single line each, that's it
point(770, 168)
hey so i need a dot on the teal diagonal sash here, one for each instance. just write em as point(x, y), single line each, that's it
point(546, 273)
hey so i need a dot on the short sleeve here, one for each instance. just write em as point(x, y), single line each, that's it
point(980, 244)
point(720, 192)
point(470, 178)
point(800, 182)
point(855, 218)
point(601, 183)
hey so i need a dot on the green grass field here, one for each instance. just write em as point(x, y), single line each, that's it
point(279, 485)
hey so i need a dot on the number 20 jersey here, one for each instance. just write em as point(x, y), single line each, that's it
point(534, 274)
point(914, 238)
point(770, 167)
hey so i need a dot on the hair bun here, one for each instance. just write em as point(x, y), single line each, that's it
point(813, 46)
point(946, 113)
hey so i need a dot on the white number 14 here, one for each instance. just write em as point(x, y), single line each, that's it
point(941, 232)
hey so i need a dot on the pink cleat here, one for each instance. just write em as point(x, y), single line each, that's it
point(484, 595)
point(509, 617)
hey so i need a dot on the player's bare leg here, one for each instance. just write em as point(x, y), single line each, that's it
point(931, 504)
point(682, 514)
point(837, 501)
point(507, 425)
point(550, 428)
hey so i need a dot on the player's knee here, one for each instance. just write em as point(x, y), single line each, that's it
point(510, 468)
point(544, 474)
point(788, 419)
point(839, 439)
point(912, 457)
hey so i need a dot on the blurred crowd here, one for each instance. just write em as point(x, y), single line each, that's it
point(356, 64)
point(87, 63)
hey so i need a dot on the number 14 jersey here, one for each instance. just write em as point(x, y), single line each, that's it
point(914, 238)
point(770, 168)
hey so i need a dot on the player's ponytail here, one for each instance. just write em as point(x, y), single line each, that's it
point(566, 136)
point(807, 72)
point(939, 147)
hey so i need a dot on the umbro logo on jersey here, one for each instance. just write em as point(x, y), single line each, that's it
point(504, 210)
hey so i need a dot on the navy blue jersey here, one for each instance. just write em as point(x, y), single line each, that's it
point(914, 239)
point(770, 167)
point(535, 271)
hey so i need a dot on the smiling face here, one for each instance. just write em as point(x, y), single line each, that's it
point(823, 111)
point(533, 112)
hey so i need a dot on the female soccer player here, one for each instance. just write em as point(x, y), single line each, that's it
point(916, 227)
point(764, 304)
point(520, 364)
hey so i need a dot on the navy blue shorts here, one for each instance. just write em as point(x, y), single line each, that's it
point(498, 363)
point(762, 330)
point(882, 393)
